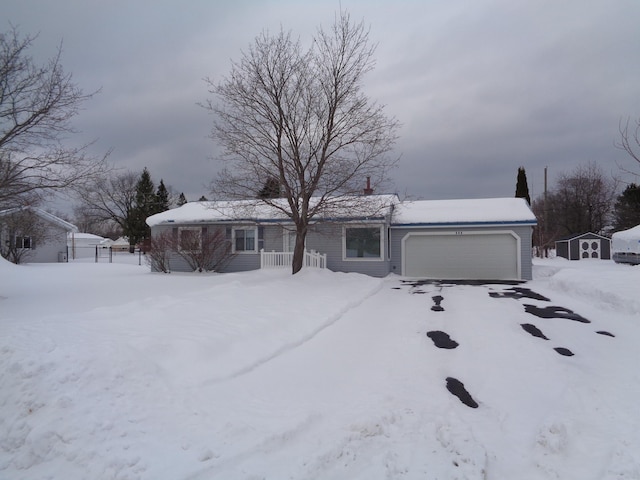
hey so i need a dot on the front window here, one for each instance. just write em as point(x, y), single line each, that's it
point(190, 239)
point(363, 243)
point(23, 242)
point(244, 239)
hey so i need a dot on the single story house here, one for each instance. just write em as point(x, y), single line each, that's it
point(33, 235)
point(583, 246)
point(480, 239)
point(626, 246)
point(119, 245)
point(83, 245)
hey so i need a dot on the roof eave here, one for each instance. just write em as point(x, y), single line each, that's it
point(504, 223)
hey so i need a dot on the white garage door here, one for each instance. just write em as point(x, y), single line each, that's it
point(462, 256)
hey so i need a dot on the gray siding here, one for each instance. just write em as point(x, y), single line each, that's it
point(562, 249)
point(241, 262)
point(49, 250)
point(328, 238)
point(524, 232)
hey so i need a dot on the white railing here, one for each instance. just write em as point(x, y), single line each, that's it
point(285, 259)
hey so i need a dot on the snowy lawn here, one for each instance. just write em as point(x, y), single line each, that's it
point(108, 371)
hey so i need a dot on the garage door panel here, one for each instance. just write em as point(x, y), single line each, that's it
point(467, 256)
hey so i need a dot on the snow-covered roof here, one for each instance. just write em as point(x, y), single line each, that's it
point(85, 236)
point(626, 240)
point(69, 227)
point(630, 234)
point(417, 212)
point(119, 242)
point(238, 210)
point(464, 211)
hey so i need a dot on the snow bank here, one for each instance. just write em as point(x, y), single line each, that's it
point(109, 371)
point(601, 282)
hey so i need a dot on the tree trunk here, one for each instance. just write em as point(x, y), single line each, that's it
point(298, 251)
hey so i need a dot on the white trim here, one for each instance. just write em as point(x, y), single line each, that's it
point(466, 233)
point(363, 259)
point(255, 238)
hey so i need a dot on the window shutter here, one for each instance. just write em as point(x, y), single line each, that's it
point(228, 233)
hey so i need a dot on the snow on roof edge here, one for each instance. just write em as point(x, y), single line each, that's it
point(508, 210)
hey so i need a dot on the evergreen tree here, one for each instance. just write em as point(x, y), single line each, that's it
point(162, 197)
point(182, 200)
point(145, 205)
point(627, 208)
point(271, 189)
point(522, 189)
point(203, 199)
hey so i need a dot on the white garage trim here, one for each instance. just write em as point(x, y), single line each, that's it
point(466, 233)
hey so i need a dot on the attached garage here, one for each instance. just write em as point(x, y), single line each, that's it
point(462, 255)
point(481, 239)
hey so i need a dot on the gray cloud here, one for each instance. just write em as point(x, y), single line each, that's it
point(481, 87)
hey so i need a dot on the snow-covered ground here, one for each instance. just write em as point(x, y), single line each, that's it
point(108, 371)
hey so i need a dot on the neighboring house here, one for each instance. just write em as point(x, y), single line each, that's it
point(488, 239)
point(119, 245)
point(584, 246)
point(626, 246)
point(29, 234)
point(83, 245)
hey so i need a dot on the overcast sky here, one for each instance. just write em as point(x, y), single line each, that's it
point(481, 87)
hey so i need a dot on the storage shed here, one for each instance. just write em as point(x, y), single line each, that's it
point(584, 246)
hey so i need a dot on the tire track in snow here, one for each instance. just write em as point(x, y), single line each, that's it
point(301, 341)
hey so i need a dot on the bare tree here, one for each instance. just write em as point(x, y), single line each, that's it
point(302, 118)
point(630, 143)
point(112, 199)
point(37, 104)
point(87, 222)
point(204, 249)
point(159, 254)
point(582, 201)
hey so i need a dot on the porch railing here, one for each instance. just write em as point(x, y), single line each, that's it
point(285, 259)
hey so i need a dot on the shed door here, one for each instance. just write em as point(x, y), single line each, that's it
point(590, 248)
point(462, 256)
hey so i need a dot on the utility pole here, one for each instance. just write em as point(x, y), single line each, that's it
point(544, 216)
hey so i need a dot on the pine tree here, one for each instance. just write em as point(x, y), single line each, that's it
point(162, 197)
point(203, 199)
point(522, 189)
point(182, 199)
point(271, 189)
point(627, 208)
point(145, 205)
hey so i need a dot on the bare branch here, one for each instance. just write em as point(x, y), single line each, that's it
point(37, 104)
